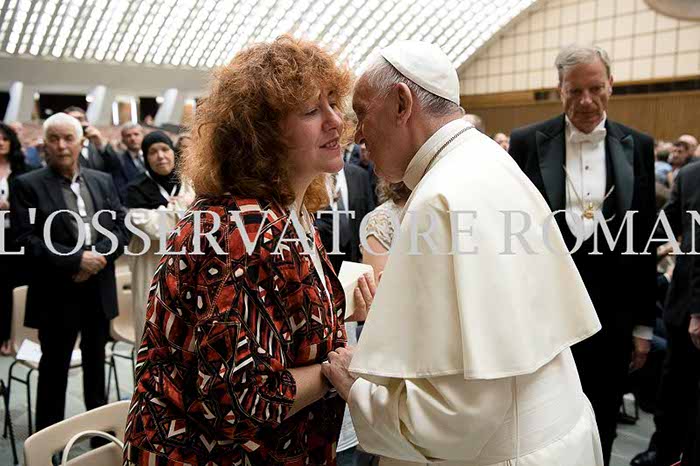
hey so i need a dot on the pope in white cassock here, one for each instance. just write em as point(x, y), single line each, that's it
point(465, 357)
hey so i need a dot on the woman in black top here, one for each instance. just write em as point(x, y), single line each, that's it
point(12, 165)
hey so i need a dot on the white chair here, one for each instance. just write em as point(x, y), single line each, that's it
point(111, 418)
point(19, 334)
point(121, 327)
point(121, 265)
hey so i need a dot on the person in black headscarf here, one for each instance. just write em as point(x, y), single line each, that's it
point(157, 193)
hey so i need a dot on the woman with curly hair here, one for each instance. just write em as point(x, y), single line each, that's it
point(237, 326)
point(12, 165)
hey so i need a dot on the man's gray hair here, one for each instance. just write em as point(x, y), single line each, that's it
point(129, 126)
point(62, 119)
point(382, 76)
point(574, 54)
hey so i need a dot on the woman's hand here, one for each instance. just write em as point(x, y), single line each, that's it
point(364, 295)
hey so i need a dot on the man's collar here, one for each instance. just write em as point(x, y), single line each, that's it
point(60, 176)
point(571, 128)
point(420, 162)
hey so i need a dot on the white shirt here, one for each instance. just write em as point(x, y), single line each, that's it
point(5, 194)
point(586, 173)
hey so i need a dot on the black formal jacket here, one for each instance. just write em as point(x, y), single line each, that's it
point(622, 287)
point(123, 170)
point(52, 293)
point(683, 296)
point(103, 160)
point(361, 201)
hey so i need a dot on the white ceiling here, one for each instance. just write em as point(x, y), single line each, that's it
point(201, 34)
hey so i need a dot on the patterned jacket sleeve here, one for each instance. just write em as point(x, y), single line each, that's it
point(242, 383)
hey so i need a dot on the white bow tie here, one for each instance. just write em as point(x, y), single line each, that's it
point(594, 137)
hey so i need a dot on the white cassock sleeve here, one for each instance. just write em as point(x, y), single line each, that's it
point(431, 419)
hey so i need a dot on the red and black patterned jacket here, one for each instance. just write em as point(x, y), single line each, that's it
point(222, 329)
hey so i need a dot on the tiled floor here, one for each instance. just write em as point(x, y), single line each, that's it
point(631, 439)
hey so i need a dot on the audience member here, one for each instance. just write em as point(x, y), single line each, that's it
point(183, 142)
point(131, 161)
point(93, 152)
point(348, 190)
point(502, 140)
point(72, 287)
point(680, 156)
point(382, 223)
point(12, 165)
point(583, 163)
point(156, 198)
point(476, 121)
point(364, 162)
point(674, 414)
point(661, 166)
point(691, 140)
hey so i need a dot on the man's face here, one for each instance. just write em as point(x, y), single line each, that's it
point(80, 116)
point(376, 130)
point(680, 154)
point(132, 138)
point(62, 147)
point(502, 140)
point(585, 90)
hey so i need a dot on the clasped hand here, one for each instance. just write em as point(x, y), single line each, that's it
point(90, 264)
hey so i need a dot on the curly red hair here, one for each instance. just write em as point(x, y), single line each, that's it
point(237, 144)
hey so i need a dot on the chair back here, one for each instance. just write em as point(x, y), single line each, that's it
point(122, 326)
point(19, 332)
point(40, 447)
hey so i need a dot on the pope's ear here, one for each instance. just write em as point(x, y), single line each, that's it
point(404, 103)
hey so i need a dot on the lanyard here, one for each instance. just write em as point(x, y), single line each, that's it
point(162, 190)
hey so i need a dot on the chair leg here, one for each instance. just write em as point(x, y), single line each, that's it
point(8, 421)
point(116, 378)
point(9, 385)
point(29, 402)
point(109, 379)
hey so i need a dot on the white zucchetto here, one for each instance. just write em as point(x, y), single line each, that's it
point(426, 65)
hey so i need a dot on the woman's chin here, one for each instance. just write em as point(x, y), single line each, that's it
point(335, 165)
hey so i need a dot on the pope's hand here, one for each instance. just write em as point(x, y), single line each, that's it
point(336, 371)
point(364, 295)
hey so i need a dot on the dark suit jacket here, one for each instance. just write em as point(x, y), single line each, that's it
point(684, 292)
point(622, 287)
point(361, 201)
point(52, 293)
point(124, 170)
point(101, 160)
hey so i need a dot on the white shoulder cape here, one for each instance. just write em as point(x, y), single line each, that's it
point(486, 315)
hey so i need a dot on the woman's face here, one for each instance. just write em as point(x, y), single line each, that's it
point(161, 158)
point(312, 134)
point(4, 144)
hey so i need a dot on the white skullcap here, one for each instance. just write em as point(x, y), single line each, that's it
point(426, 65)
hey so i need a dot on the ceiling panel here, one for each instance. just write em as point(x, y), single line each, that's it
point(205, 33)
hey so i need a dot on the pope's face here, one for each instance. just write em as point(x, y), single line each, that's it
point(376, 131)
